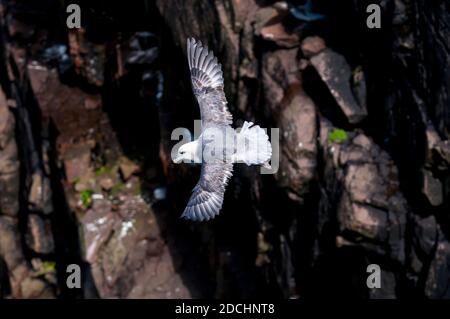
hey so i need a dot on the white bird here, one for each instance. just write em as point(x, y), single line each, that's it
point(219, 145)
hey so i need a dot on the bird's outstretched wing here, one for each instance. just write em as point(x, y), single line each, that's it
point(207, 83)
point(207, 196)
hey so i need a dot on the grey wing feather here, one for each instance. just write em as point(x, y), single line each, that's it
point(207, 196)
point(207, 84)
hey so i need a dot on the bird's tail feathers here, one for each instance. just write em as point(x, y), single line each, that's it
point(253, 145)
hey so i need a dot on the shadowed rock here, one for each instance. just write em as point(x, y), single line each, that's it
point(436, 285)
point(269, 25)
point(371, 209)
point(432, 188)
point(20, 276)
point(337, 75)
point(297, 123)
point(40, 237)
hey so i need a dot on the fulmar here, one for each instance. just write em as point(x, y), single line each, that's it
point(219, 146)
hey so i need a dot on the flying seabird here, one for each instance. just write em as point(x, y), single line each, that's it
point(219, 145)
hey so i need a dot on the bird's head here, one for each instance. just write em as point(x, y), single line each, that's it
point(187, 152)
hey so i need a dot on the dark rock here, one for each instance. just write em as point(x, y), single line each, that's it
point(359, 87)
point(334, 205)
point(9, 188)
point(40, 196)
point(295, 116)
point(278, 34)
point(298, 145)
point(280, 78)
point(10, 242)
point(442, 153)
point(388, 286)
point(312, 46)
point(9, 163)
point(92, 102)
point(426, 235)
point(371, 206)
point(432, 188)
point(40, 237)
point(127, 167)
point(21, 281)
point(269, 25)
point(87, 57)
point(142, 52)
point(336, 73)
point(6, 122)
point(16, 28)
point(436, 285)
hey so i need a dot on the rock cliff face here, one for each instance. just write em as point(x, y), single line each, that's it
point(86, 118)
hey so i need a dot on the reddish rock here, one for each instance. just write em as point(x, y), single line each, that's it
point(128, 257)
point(279, 74)
point(88, 57)
point(295, 116)
point(9, 162)
point(298, 148)
point(77, 163)
point(278, 34)
point(98, 224)
point(40, 237)
point(127, 167)
point(92, 102)
point(40, 195)
point(269, 25)
point(7, 122)
point(312, 46)
point(106, 183)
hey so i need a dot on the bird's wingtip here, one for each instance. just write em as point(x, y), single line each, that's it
point(197, 216)
point(192, 40)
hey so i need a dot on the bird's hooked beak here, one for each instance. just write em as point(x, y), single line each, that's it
point(177, 159)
